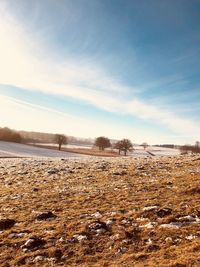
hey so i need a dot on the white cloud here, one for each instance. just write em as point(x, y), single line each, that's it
point(25, 63)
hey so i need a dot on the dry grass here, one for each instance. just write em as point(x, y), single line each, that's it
point(85, 151)
point(100, 204)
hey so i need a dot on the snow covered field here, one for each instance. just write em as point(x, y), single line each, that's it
point(64, 146)
point(8, 149)
point(162, 151)
point(156, 151)
point(137, 152)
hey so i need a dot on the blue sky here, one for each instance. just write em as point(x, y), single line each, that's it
point(107, 67)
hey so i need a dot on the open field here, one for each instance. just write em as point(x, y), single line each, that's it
point(137, 151)
point(83, 151)
point(100, 212)
point(14, 150)
point(9, 149)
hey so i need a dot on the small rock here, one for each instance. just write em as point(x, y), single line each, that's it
point(148, 225)
point(38, 259)
point(123, 250)
point(110, 222)
point(168, 239)
point(149, 208)
point(46, 216)
point(6, 224)
point(187, 218)
point(190, 237)
point(80, 237)
point(101, 231)
point(97, 225)
point(140, 168)
point(119, 173)
point(34, 243)
point(97, 214)
point(54, 171)
point(149, 242)
point(35, 189)
point(164, 212)
point(20, 235)
point(169, 225)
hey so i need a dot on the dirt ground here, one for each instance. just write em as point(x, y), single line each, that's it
point(100, 212)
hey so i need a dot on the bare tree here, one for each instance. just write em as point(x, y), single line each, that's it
point(60, 139)
point(118, 146)
point(197, 144)
point(190, 148)
point(196, 148)
point(185, 149)
point(102, 142)
point(145, 145)
point(124, 145)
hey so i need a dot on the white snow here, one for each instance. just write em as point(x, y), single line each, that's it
point(8, 149)
point(157, 151)
point(64, 146)
point(138, 151)
point(162, 151)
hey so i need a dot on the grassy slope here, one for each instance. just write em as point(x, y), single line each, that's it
point(118, 189)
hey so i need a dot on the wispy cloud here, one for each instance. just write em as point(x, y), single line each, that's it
point(165, 81)
point(53, 121)
point(26, 64)
point(189, 54)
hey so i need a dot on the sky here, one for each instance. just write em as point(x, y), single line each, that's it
point(87, 68)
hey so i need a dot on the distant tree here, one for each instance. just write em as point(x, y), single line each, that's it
point(197, 144)
point(190, 148)
point(118, 146)
point(183, 149)
point(6, 134)
point(186, 149)
point(196, 148)
point(124, 145)
point(145, 145)
point(102, 142)
point(60, 139)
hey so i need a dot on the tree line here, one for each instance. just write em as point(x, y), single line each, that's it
point(124, 145)
point(190, 148)
point(102, 142)
point(6, 134)
point(49, 138)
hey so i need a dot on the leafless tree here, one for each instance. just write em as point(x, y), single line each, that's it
point(196, 148)
point(118, 146)
point(124, 145)
point(102, 142)
point(197, 144)
point(190, 148)
point(185, 149)
point(60, 139)
point(145, 145)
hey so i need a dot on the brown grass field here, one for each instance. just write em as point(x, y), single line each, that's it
point(100, 212)
point(84, 151)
